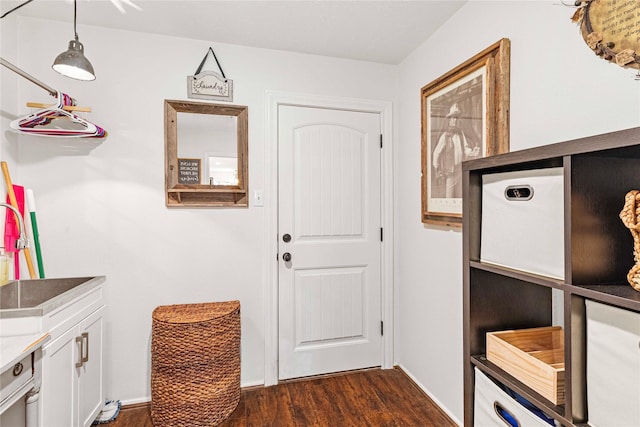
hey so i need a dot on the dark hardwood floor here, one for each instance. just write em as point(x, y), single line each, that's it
point(374, 397)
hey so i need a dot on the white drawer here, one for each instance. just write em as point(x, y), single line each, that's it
point(15, 377)
point(523, 221)
point(489, 399)
point(613, 366)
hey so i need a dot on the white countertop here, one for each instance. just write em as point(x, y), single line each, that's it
point(13, 349)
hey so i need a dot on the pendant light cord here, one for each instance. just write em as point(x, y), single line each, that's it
point(75, 12)
point(20, 72)
point(15, 8)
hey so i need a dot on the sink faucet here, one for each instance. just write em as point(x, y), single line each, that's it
point(22, 242)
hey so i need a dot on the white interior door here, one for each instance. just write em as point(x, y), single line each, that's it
point(329, 231)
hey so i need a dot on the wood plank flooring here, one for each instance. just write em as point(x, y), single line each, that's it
point(374, 398)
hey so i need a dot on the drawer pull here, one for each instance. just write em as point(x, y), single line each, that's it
point(85, 347)
point(79, 341)
point(507, 417)
point(17, 369)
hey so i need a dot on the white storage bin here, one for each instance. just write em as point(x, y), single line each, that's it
point(523, 221)
point(488, 399)
point(613, 366)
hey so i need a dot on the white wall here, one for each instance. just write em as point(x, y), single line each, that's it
point(559, 90)
point(101, 202)
point(8, 96)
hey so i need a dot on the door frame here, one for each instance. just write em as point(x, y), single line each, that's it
point(273, 100)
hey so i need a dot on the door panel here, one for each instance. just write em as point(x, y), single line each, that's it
point(329, 305)
point(90, 383)
point(329, 202)
point(57, 405)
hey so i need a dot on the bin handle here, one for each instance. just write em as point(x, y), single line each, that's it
point(507, 417)
point(518, 193)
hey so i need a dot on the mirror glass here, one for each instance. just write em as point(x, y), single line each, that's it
point(206, 152)
point(213, 139)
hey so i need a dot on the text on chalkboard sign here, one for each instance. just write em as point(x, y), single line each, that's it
point(189, 171)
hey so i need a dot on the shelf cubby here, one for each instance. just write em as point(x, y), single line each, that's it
point(597, 173)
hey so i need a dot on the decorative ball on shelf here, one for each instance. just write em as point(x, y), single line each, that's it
point(630, 217)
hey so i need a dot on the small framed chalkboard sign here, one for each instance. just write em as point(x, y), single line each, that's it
point(189, 171)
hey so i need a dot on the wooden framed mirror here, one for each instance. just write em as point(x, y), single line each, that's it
point(206, 152)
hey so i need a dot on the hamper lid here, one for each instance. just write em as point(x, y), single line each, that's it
point(191, 313)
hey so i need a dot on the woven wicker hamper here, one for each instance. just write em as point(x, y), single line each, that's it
point(195, 363)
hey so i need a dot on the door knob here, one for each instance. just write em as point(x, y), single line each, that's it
point(286, 238)
point(286, 256)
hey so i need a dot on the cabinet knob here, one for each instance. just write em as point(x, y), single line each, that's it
point(17, 369)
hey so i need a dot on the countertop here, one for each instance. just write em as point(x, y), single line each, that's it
point(85, 285)
point(13, 349)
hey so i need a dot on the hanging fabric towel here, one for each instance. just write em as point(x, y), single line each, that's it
point(12, 229)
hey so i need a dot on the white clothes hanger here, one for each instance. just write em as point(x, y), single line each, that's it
point(50, 121)
point(55, 121)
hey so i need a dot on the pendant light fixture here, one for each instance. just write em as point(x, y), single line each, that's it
point(72, 63)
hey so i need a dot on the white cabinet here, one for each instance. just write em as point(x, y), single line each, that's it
point(21, 374)
point(72, 391)
point(65, 317)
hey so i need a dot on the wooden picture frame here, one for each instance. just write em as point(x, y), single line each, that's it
point(464, 115)
point(184, 190)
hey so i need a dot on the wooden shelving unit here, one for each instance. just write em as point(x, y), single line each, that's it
point(598, 252)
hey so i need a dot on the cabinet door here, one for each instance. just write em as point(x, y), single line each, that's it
point(90, 378)
point(59, 381)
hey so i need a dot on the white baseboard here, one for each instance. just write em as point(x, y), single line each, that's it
point(431, 396)
point(133, 402)
point(147, 399)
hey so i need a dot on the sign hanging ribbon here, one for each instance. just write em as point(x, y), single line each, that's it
point(210, 51)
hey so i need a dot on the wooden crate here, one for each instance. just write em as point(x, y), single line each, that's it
point(534, 356)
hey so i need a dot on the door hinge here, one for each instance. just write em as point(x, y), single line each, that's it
point(381, 327)
point(380, 140)
point(381, 234)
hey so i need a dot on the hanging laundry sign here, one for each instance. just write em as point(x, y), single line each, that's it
point(209, 84)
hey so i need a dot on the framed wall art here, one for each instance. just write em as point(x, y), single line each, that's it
point(611, 28)
point(464, 115)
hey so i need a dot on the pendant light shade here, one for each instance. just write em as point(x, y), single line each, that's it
point(72, 63)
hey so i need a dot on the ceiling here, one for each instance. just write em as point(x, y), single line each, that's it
point(377, 31)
